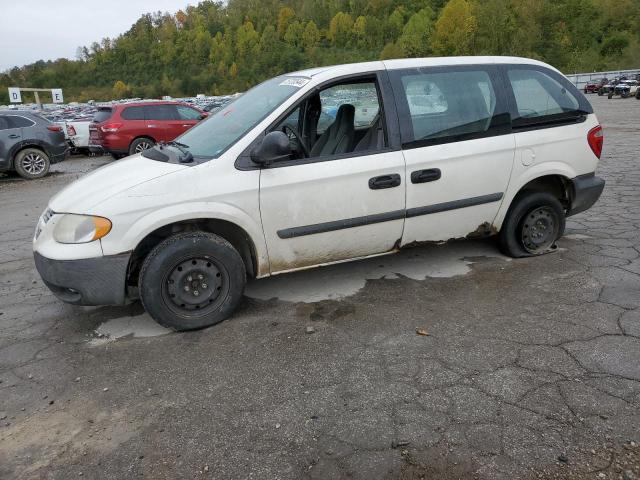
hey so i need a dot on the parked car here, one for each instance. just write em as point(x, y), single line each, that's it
point(626, 88)
point(78, 134)
point(593, 86)
point(129, 128)
point(29, 143)
point(510, 148)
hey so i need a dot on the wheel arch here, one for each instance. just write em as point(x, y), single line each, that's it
point(23, 145)
point(558, 182)
point(233, 233)
point(142, 136)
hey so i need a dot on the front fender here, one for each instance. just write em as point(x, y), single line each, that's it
point(531, 173)
point(123, 240)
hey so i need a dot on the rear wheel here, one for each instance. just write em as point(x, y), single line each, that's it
point(610, 95)
point(139, 145)
point(192, 280)
point(534, 222)
point(638, 93)
point(32, 163)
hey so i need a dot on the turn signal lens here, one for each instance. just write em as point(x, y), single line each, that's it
point(80, 228)
point(595, 137)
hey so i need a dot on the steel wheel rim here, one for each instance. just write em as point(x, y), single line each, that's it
point(142, 146)
point(34, 163)
point(539, 229)
point(195, 286)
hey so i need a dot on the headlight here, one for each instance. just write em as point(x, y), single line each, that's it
point(80, 228)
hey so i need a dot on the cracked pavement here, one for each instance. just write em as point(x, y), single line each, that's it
point(530, 369)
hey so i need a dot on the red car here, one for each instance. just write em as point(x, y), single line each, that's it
point(593, 86)
point(128, 128)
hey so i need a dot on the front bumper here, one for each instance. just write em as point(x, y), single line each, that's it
point(586, 191)
point(89, 281)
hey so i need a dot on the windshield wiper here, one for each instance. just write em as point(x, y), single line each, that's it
point(187, 156)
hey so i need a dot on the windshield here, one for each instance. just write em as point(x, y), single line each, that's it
point(221, 130)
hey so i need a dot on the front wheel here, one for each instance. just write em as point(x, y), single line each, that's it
point(534, 222)
point(32, 163)
point(192, 280)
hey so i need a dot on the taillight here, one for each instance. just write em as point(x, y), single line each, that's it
point(595, 137)
point(54, 128)
point(110, 127)
point(71, 131)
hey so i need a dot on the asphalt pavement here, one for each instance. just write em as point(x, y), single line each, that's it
point(521, 368)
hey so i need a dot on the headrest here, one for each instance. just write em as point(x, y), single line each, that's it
point(346, 114)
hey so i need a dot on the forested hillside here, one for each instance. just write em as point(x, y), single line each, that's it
point(220, 48)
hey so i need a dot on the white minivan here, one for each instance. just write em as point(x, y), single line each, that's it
point(323, 166)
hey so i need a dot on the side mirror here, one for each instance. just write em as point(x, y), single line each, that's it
point(275, 147)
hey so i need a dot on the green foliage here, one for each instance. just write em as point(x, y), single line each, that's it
point(215, 47)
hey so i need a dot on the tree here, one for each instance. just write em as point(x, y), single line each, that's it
point(391, 50)
point(120, 89)
point(310, 36)
point(416, 35)
point(340, 29)
point(285, 16)
point(455, 29)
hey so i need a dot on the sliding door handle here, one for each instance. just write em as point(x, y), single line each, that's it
point(424, 176)
point(385, 181)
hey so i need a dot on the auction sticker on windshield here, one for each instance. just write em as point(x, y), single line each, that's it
point(295, 82)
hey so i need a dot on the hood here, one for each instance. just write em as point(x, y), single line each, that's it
point(105, 182)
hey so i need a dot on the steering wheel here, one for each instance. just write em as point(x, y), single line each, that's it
point(290, 131)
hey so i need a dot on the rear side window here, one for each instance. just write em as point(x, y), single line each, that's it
point(102, 115)
point(539, 96)
point(133, 113)
point(19, 122)
point(443, 105)
point(4, 123)
point(188, 113)
point(161, 112)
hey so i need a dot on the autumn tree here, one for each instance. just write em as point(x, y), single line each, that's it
point(455, 29)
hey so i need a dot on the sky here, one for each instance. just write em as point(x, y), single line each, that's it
point(31, 30)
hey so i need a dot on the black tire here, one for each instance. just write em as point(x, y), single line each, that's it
point(610, 95)
point(140, 144)
point(519, 238)
point(600, 92)
point(31, 163)
point(182, 266)
point(117, 156)
point(638, 93)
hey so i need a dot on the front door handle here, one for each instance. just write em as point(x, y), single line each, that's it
point(384, 181)
point(424, 176)
point(13, 135)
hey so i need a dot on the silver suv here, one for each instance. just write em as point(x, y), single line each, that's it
point(29, 143)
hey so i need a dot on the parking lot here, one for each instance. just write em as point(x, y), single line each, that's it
point(529, 368)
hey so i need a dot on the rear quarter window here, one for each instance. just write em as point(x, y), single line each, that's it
point(538, 95)
point(542, 96)
point(102, 115)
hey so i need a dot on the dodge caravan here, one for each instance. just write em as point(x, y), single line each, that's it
point(323, 166)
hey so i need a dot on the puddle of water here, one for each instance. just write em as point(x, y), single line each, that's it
point(345, 279)
point(136, 326)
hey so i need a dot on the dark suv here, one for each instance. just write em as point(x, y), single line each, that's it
point(130, 128)
point(29, 143)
